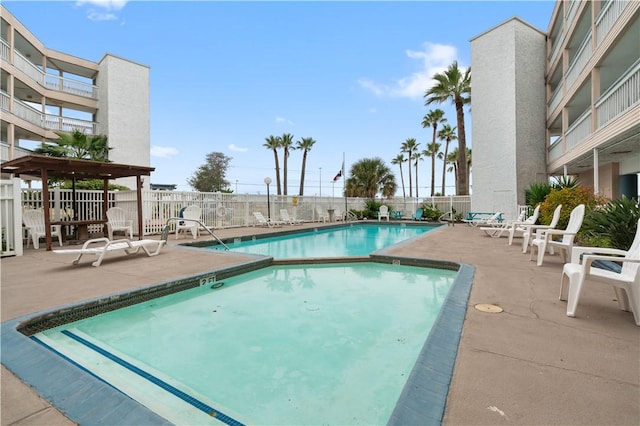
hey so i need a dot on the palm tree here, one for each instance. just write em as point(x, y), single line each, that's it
point(273, 143)
point(286, 140)
point(447, 134)
point(433, 151)
point(369, 177)
point(77, 145)
point(417, 156)
point(409, 146)
point(455, 86)
point(432, 119)
point(399, 160)
point(454, 159)
point(305, 145)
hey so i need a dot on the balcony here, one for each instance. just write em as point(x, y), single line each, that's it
point(607, 18)
point(556, 97)
point(620, 97)
point(46, 121)
point(49, 81)
point(579, 130)
point(580, 60)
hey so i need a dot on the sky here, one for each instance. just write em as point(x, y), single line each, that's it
point(224, 76)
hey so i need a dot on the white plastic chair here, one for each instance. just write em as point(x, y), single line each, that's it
point(529, 230)
point(191, 212)
point(34, 222)
point(519, 226)
point(320, 215)
point(284, 215)
point(626, 283)
point(543, 239)
point(117, 221)
point(383, 213)
point(261, 220)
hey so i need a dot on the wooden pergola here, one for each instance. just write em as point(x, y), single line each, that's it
point(70, 168)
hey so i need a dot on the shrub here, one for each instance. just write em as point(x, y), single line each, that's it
point(536, 193)
point(569, 197)
point(612, 224)
point(431, 213)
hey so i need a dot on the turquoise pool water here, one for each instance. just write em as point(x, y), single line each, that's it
point(300, 344)
point(352, 240)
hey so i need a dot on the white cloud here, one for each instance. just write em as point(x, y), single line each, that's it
point(102, 10)
point(163, 151)
point(105, 4)
point(233, 147)
point(434, 58)
point(280, 120)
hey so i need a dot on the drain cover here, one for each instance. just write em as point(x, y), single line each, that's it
point(485, 307)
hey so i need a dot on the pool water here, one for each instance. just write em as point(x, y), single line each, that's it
point(298, 344)
point(353, 240)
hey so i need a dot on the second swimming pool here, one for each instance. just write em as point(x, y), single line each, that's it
point(358, 239)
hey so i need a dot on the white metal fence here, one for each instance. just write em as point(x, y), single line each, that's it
point(219, 210)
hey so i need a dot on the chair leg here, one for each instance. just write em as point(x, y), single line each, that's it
point(564, 287)
point(525, 242)
point(575, 290)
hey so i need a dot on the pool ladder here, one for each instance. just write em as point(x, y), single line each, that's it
point(167, 228)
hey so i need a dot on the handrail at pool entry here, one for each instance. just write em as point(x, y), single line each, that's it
point(165, 231)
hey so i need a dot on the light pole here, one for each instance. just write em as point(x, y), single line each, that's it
point(236, 186)
point(267, 181)
point(320, 181)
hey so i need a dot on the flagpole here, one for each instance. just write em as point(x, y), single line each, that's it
point(343, 188)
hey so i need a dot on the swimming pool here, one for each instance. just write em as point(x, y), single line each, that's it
point(87, 399)
point(302, 344)
point(359, 239)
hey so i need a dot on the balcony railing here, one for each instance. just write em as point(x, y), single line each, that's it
point(571, 13)
point(50, 81)
point(47, 121)
point(67, 124)
point(4, 51)
point(621, 96)
point(579, 130)
point(555, 98)
point(555, 150)
point(579, 60)
point(607, 18)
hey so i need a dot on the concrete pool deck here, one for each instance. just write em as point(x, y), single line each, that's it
point(530, 364)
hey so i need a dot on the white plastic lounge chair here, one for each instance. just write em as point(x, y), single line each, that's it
point(493, 219)
point(497, 229)
point(517, 227)
point(191, 212)
point(117, 221)
point(320, 216)
point(129, 247)
point(262, 221)
point(34, 222)
point(626, 283)
point(383, 213)
point(284, 215)
point(543, 239)
point(529, 230)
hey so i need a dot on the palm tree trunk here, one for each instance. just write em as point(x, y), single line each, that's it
point(304, 167)
point(463, 182)
point(444, 165)
point(286, 156)
point(417, 180)
point(404, 194)
point(433, 161)
point(409, 166)
point(275, 156)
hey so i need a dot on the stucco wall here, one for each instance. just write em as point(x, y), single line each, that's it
point(123, 112)
point(508, 115)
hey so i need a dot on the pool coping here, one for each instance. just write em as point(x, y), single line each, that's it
point(59, 381)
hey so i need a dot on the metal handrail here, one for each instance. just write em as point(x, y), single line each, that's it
point(165, 231)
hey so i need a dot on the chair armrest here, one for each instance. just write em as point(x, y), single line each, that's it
point(587, 259)
point(96, 240)
point(578, 251)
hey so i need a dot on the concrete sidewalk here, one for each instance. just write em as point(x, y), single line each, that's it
point(530, 364)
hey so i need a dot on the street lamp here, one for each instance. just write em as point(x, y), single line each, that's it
point(236, 186)
point(267, 181)
point(320, 181)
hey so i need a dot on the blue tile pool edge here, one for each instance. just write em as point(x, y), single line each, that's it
point(422, 401)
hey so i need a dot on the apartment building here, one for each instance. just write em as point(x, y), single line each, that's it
point(561, 102)
point(43, 91)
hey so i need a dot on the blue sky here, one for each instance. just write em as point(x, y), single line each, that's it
point(226, 75)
